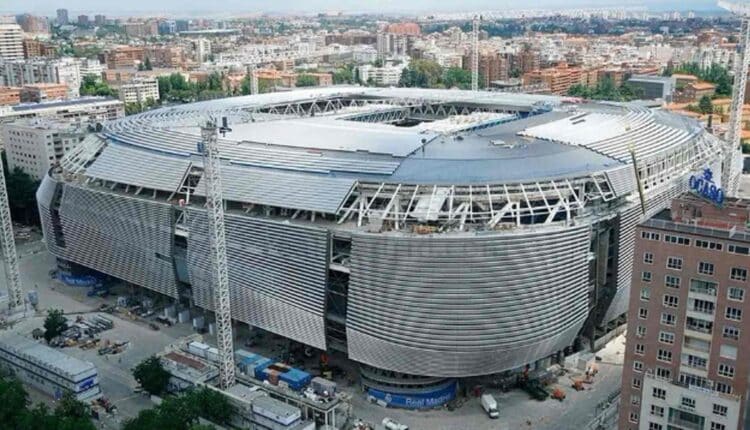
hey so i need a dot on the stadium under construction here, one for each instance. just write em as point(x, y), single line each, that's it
point(427, 234)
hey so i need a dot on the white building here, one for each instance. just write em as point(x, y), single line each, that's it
point(11, 43)
point(90, 67)
point(18, 73)
point(139, 90)
point(202, 50)
point(36, 145)
point(388, 75)
point(364, 54)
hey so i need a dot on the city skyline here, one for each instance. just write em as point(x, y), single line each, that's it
point(172, 7)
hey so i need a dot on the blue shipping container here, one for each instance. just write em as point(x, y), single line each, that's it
point(296, 379)
point(260, 366)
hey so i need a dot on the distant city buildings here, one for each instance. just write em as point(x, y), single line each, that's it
point(34, 71)
point(559, 79)
point(140, 90)
point(62, 17)
point(387, 75)
point(654, 87)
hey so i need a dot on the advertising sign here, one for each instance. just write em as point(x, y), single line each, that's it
point(425, 400)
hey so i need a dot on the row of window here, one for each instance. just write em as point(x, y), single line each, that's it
point(700, 243)
point(704, 268)
point(665, 355)
point(698, 305)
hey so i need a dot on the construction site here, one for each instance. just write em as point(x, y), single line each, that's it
point(351, 257)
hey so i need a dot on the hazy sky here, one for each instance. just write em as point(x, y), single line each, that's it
point(177, 7)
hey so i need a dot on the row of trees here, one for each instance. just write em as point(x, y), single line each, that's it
point(92, 86)
point(21, 194)
point(16, 411)
point(716, 74)
point(430, 74)
point(606, 89)
point(182, 412)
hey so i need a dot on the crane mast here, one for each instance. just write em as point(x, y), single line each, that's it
point(15, 294)
point(217, 240)
point(475, 53)
point(731, 166)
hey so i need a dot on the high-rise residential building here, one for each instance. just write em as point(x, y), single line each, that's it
point(493, 66)
point(687, 360)
point(33, 24)
point(33, 48)
point(11, 42)
point(202, 49)
point(62, 17)
point(25, 72)
point(83, 20)
point(124, 57)
point(100, 19)
point(36, 145)
point(90, 67)
point(10, 96)
point(37, 93)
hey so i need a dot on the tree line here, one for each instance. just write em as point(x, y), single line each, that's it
point(430, 74)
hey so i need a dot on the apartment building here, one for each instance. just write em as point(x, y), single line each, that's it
point(124, 57)
point(35, 71)
point(687, 363)
point(139, 90)
point(10, 96)
point(559, 79)
point(36, 145)
point(37, 93)
point(11, 42)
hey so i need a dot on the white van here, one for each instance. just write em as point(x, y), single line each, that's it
point(490, 406)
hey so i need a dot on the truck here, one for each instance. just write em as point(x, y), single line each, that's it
point(489, 404)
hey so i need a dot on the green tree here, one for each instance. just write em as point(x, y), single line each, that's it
point(705, 106)
point(306, 81)
point(211, 404)
point(21, 194)
point(54, 324)
point(422, 74)
point(344, 75)
point(70, 407)
point(457, 77)
point(246, 86)
point(13, 402)
point(152, 376)
point(147, 64)
point(92, 86)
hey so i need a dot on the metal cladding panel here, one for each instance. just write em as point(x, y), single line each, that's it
point(44, 196)
point(119, 163)
point(656, 200)
point(622, 180)
point(122, 236)
point(288, 190)
point(465, 305)
point(277, 274)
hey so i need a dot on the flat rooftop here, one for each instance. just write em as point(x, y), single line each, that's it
point(46, 357)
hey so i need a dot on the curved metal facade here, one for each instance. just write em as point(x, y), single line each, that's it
point(468, 305)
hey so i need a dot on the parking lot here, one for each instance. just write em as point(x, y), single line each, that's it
point(517, 410)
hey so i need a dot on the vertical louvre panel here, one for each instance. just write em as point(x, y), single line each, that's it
point(468, 304)
point(277, 274)
point(125, 237)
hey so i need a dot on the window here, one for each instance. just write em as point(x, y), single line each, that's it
point(672, 281)
point(640, 348)
point(638, 366)
point(654, 426)
point(659, 393)
point(679, 240)
point(657, 411)
point(694, 361)
point(726, 370)
point(736, 293)
point(670, 301)
point(642, 313)
point(738, 274)
point(666, 337)
point(700, 325)
point(728, 351)
point(703, 306)
point(640, 331)
point(731, 332)
point(706, 268)
point(649, 235)
point(637, 383)
point(663, 373)
point(703, 287)
point(733, 314)
point(688, 402)
point(717, 426)
point(645, 294)
point(633, 417)
point(723, 388)
point(635, 400)
point(674, 263)
point(667, 318)
point(717, 246)
point(648, 258)
point(646, 276)
point(664, 355)
point(736, 249)
point(720, 410)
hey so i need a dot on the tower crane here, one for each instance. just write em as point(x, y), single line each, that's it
point(475, 52)
point(731, 165)
point(15, 292)
point(208, 147)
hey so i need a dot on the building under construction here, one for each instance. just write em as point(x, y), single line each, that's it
point(427, 234)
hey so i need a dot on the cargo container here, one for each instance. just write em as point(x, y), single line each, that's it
point(296, 379)
point(322, 386)
point(198, 349)
point(261, 366)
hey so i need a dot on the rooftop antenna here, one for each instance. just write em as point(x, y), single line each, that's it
point(208, 147)
point(731, 165)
